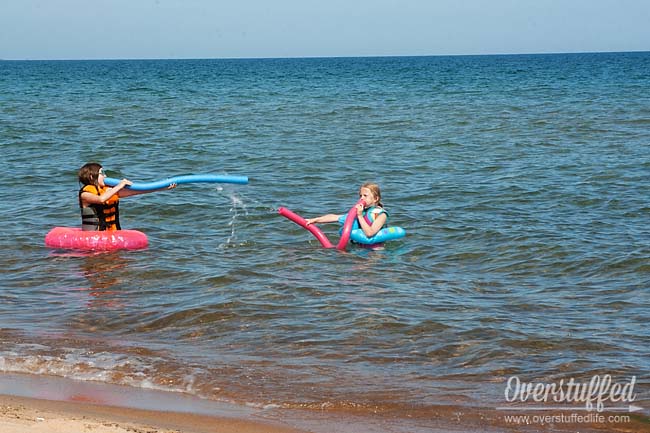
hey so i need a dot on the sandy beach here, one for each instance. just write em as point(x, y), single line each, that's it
point(49, 405)
point(30, 415)
point(20, 415)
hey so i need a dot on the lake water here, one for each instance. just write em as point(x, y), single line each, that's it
point(522, 182)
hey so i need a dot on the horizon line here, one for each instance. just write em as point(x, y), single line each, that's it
point(316, 57)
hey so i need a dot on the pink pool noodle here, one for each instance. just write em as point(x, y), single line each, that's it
point(303, 223)
point(347, 226)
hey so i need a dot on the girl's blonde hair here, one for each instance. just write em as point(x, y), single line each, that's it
point(374, 189)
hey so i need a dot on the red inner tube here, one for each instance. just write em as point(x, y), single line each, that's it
point(76, 239)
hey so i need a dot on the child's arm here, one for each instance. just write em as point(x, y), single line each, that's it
point(377, 224)
point(329, 218)
point(130, 192)
point(90, 198)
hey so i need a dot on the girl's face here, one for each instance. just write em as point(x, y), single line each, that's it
point(100, 177)
point(366, 195)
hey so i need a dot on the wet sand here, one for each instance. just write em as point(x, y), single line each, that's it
point(21, 415)
point(28, 415)
point(31, 403)
point(34, 404)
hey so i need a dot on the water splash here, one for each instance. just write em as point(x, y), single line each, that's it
point(238, 207)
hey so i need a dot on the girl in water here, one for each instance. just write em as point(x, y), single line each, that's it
point(371, 216)
point(99, 203)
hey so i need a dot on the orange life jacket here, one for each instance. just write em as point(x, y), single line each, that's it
point(100, 217)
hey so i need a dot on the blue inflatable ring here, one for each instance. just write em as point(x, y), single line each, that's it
point(386, 234)
point(190, 178)
point(390, 233)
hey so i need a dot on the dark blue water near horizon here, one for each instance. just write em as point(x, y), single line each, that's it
point(522, 182)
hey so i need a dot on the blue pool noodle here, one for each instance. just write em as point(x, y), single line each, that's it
point(190, 178)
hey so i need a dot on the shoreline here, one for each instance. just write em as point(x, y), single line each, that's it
point(52, 404)
point(21, 414)
point(46, 404)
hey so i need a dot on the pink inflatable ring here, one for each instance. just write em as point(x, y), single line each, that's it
point(74, 238)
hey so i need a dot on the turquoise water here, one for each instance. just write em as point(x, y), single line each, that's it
point(522, 182)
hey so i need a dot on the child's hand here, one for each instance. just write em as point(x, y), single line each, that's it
point(359, 207)
point(171, 186)
point(126, 182)
point(310, 221)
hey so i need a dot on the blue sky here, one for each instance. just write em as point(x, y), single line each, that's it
point(117, 29)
